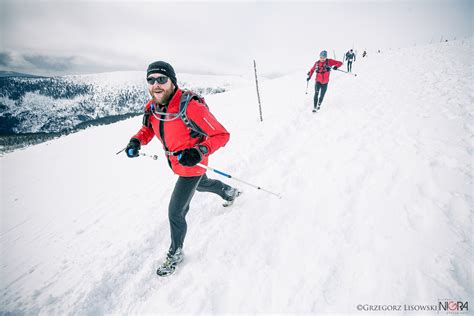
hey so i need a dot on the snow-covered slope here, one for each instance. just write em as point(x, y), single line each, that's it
point(376, 208)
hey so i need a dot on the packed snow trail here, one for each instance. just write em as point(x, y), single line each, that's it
point(376, 208)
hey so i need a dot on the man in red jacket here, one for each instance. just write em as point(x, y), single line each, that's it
point(184, 148)
point(322, 68)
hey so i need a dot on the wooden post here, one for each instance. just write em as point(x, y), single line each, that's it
point(258, 93)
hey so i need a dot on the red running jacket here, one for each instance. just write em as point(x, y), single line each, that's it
point(175, 135)
point(322, 73)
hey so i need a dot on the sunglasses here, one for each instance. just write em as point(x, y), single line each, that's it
point(159, 80)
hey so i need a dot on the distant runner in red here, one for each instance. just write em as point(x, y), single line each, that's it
point(322, 68)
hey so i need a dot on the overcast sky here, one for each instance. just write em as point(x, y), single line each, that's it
point(64, 37)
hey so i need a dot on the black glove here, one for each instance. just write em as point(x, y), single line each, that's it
point(307, 79)
point(190, 157)
point(132, 148)
point(334, 68)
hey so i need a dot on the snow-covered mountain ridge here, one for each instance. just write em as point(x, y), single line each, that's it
point(58, 104)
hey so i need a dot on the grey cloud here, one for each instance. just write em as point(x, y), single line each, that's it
point(42, 64)
point(5, 59)
point(49, 62)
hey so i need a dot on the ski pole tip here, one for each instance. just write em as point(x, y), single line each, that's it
point(121, 151)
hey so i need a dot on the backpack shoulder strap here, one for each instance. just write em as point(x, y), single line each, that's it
point(186, 97)
point(147, 114)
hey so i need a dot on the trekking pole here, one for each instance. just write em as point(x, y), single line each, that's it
point(236, 179)
point(350, 73)
point(155, 157)
point(307, 82)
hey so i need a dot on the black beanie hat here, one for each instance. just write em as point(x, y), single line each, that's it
point(161, 67)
